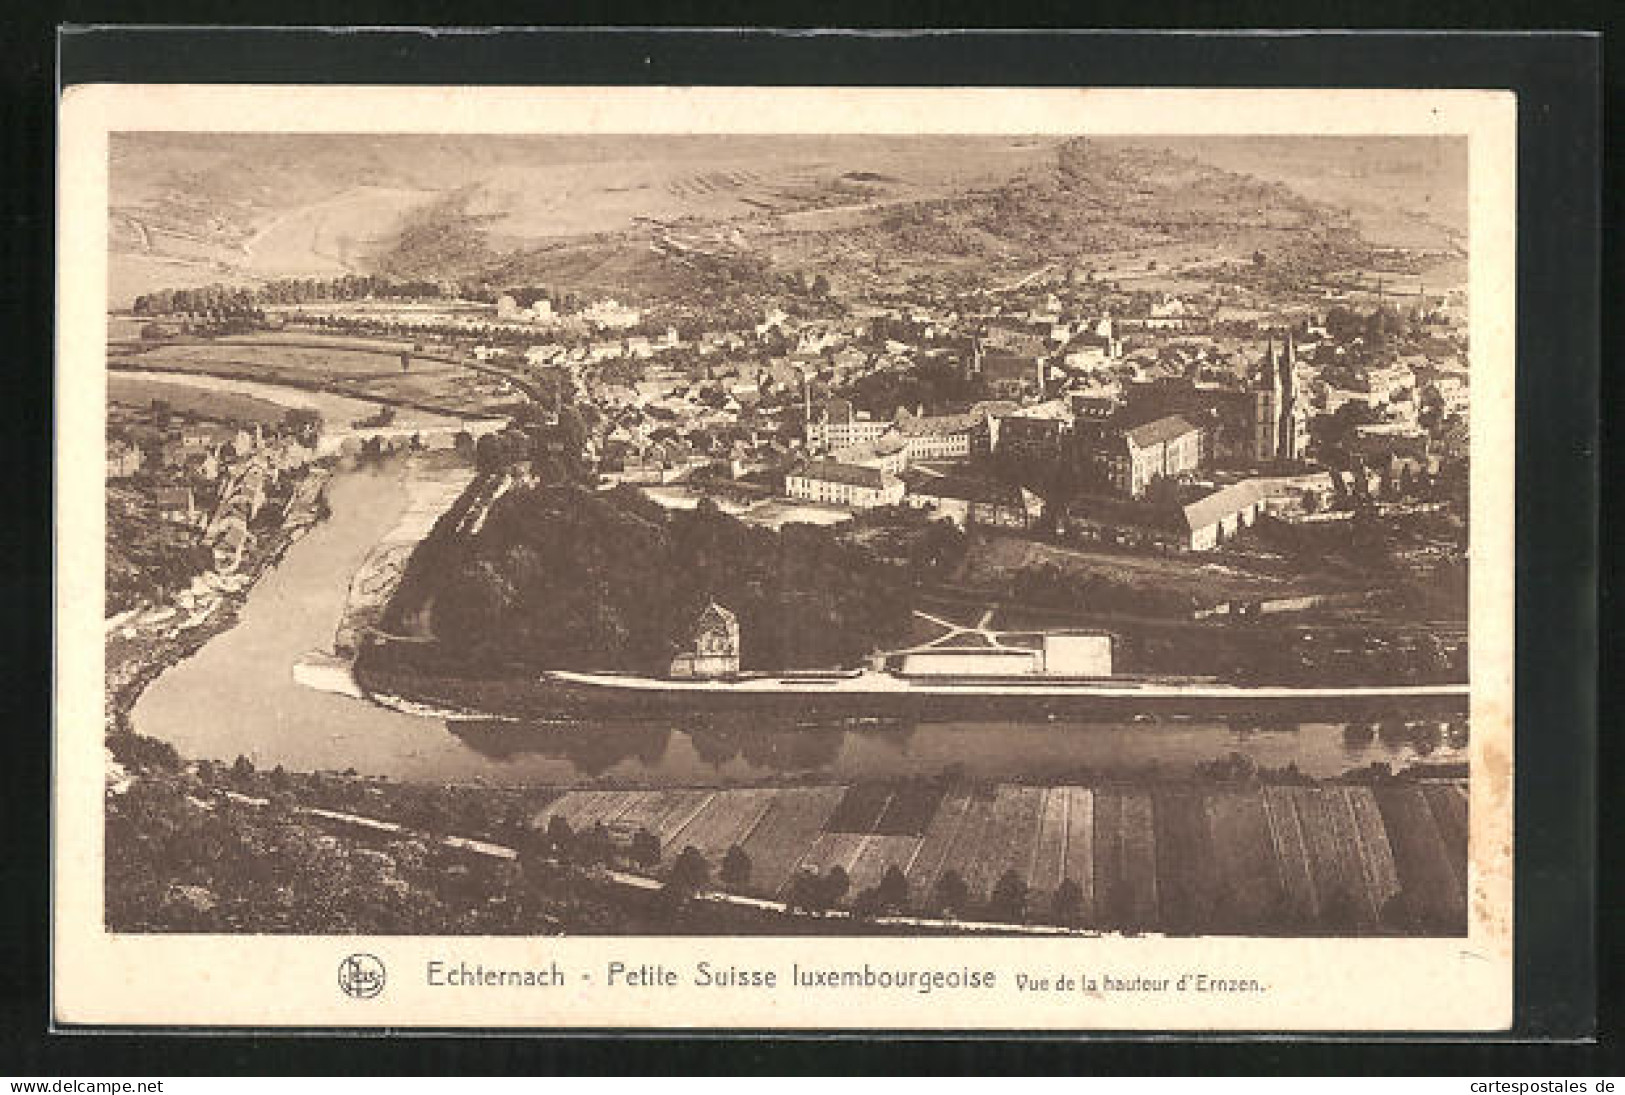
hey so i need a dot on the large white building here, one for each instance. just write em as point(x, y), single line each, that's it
point(835, 425)
point(611, 313)
point(843, 485)
point(1074, 654)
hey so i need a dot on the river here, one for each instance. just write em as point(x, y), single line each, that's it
point(237, 696)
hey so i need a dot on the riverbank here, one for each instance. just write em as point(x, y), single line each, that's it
point(149, 640)
point(430, 493)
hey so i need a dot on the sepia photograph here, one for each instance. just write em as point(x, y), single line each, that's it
point(1018, 536)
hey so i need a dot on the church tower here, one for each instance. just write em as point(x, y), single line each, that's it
point(1288, 442)
point(1266, 407)
point(1277, 416)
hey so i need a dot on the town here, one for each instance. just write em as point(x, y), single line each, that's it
point(1313, 451)
point(857, 580)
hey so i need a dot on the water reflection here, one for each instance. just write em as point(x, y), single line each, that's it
point(744, 751)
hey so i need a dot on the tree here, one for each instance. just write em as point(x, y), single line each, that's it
point(594, 845)
point(892, 893)
point(1010, 896)
point(952, 893)
point(1333, 432)
point(807, 892)
point(489, 455)
point(1431, 408)
point(735, 867)
point(1339, 912)
point(645, 850)
point(867, 905)
point(691, 871)
point(836, 883)
point(1162, 490)
point(559, 834)
point(1068, 902)
point(820, 286)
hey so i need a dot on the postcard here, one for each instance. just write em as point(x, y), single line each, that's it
point(785, 559)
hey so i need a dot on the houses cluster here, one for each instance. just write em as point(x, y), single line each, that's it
point(1186, 480)
point(1176, 444)
point(210, 476)
point(1176, 417)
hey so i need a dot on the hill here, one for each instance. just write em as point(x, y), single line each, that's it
point(660, 215)
point(563, 577)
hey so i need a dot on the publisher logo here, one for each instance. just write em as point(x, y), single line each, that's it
point(361, 976)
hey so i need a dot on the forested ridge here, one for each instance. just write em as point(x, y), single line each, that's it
point(563, 577)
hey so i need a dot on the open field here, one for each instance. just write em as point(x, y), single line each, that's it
point(364, 368)
point(1176, 858)
point(336, 361)
point(769, 512)
point(996, 558)
point(135, 390)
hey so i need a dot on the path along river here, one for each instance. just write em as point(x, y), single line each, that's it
point(238, 696)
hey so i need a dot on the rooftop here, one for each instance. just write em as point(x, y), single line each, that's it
point(832, 471)
point(961, 487)
point(1172, 517)
point(912, 425)
point(1223, 502)
point(838, 412)
point(1160, 431)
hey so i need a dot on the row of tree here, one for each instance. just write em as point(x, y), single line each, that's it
point(239, 300)
point(810, 891)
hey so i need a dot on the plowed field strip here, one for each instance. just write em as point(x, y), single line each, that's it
point(788, 828)
point(1336, 875)
point(939, 838)
point(1449, 808)
point(1111, 888)
point(1351, 843)
point(1007, 838)
point(968, 841)
point(1297, 877)
point(672, 833)
point(724, 820)
point(1375, 851)
point(1250, 896)
point(1140, 858)
point(1184, 860)
point(1080, 846)
point(828, 851)
point(879, 853)
point(1044, 869)
point(1433, 884)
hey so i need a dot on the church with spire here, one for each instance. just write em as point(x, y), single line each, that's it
point(1277, 414)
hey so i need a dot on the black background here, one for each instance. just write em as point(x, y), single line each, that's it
point(1561, 97)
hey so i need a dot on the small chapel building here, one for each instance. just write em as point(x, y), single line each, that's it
point(713, 646)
